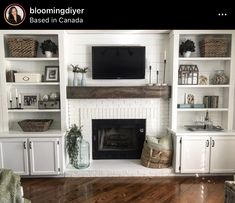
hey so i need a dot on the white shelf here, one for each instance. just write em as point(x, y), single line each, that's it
point(202, 109)
point(21, 133)
point(205, 58)
point(28, 84)
point(32, 59)
point(202, 86)
point(33, 110)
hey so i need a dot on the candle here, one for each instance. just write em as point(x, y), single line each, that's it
point(10, 96)
point(16, 93)
point(19, 99)
point(164, 55)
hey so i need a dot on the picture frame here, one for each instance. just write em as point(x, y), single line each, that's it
point(51, 74)
point(29, 100)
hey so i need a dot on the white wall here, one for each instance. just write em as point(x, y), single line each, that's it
point(78, 52)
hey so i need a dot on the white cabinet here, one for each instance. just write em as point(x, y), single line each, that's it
point(32, 156)
point(222, 155)
point(14, 155)
point(207, 154)
point(195, 154)
point(44, 156)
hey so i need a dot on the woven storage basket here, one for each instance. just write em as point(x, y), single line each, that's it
point(22, 47)
point(212, 47)
point(153, 158)
point(35, 125)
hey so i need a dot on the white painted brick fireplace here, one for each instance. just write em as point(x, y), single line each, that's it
point(82, 111)
point(155, 111)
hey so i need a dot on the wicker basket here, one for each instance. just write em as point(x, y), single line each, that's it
point(22, 47)
point(153, 158)
point(35, 125)
point(213, 47)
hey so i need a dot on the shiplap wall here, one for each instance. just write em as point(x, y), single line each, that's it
point(79, 53)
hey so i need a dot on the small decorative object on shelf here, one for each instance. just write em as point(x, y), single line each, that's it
point(50, 101)
point(75, 76)
point(28, 77)
point(211, 101)
point(49, 48)
point(190, 75)
point(22, 47)
point(10, 77)
point(213, 47)
point(17, 102)
point(78, 149)
point(83, 71)
point(186, 74)
point(54, 96)
point(30, 100)
point(157, 79)
point(219, 78)
point(203, 80)
point(186, 48)
point(51, 74)
point(35, 125)
point(195, 74)
point(150, 76)
point(190, 99)
point(164, 70)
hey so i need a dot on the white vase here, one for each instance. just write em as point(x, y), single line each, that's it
point(83, 80)
point(187, 54)
point(48, 54)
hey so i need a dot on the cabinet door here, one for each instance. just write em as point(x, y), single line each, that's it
point(222, 155)
point(195, 154)
point(13, 155)
point(44, 156)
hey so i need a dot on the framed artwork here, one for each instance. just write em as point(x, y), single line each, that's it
point(51, 74)
point(29, 100)
point(203, 79)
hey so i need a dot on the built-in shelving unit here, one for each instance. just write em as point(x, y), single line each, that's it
point(31, 84)
point(202, 109)
point(32, 110)
point(32, 59)
point(203, 86)
point(223, 115)
point(33, 65)
point(205, 58)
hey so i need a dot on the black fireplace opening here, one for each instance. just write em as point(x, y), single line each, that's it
point(118, 138)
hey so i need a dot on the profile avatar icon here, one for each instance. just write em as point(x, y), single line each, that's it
point(14, 14)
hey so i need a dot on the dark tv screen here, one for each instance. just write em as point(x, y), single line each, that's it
point(118, 62)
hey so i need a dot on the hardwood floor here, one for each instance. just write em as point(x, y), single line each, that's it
point(120, 190)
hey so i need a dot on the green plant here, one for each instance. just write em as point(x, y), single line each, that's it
point(187, 45)
point(48, 45)
point(76, 69)
point(72, 143)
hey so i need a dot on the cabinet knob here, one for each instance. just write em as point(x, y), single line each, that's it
point(207, 143)
point(30, 145)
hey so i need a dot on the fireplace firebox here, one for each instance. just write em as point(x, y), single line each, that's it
point(118, 138)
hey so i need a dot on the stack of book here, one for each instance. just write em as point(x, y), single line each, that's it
point(211, 101)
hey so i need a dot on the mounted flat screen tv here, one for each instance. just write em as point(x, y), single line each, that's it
point(118, 62)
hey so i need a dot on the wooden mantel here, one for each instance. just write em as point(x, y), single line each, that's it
point(98, 92)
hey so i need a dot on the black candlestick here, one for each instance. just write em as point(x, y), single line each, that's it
point(17, 103)
point(150, 75)
point(164, 72)
point(10, 104)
